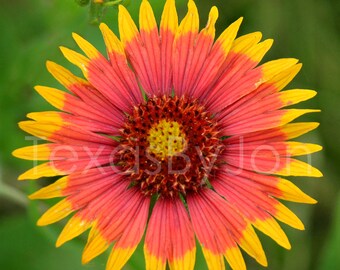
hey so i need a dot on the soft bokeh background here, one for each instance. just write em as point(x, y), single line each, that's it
point(32, 30)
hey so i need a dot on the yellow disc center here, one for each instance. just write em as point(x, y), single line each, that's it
point(166, 139)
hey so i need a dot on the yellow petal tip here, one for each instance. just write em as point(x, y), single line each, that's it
point(75, 35)
point(16, 153)
point(22, 177)
point(49, 63)
point(58, 243)
point(96, 244)
point(103, 25)
point(56, 213)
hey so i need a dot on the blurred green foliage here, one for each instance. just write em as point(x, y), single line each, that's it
point(31, 32)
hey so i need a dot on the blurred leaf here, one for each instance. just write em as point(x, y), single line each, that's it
point(330, 256)
point(23, 247)
point(82, 2)
point(96, 12)
point(10, 193)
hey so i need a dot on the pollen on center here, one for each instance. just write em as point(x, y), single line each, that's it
point(166, 139)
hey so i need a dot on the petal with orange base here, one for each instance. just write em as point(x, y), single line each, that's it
point(272, 79)
point(92, 196)
point(259, 102)
point(97, 102)
point(267, 120)
point(91, 212)
point(64, 159)
point(147, 50)
point(74, 105)
point(259, 192)
point(169, 237)
point(71, 163)
point(275, 75)
point(213, 64)
point(61, 132)
point(131, 236)
point(196, 65)
point(119, 62)
point(81, 121)
point(237, 76)
point(284, 148)
point(269, 184)
point(105, 80)
point(92, 177)
point(186, 36)
point(267, 160)
point(99, 65)
point(44, 131)
point(248, 202)
point(219, 228)
point(278, 134)
point(168, 29)
point(122, 221)
point(142, 49)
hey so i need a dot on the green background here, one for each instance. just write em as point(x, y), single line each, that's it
point(32, 30)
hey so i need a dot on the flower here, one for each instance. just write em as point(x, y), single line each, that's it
point(197, 127)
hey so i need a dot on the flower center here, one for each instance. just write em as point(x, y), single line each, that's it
point(169, 146)
point(166, 139)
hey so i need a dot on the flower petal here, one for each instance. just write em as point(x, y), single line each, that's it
point(259, 188)
point(269, 184)
point(247, 201)
point(168, 29)
point(56, 130)
point(182, 49)
point(56, 213)
point(143, 49)
point(269, 162)
point(196, 63)
point(266, 120)
point(224, 228)
point(74, 105)
point(150, 52)
point(169, 237)
point(262, 101)
point(131, 236)
point(96, 245)
point(51, 191)
point(122, 221)
point(237, 76)
point(124, 81)
point(47, 169)
point(101, 75)
point(278, 134)
point(290, 192)
point(82, 122)
point(74, 227)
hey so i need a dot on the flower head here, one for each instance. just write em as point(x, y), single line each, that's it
point(175, 116)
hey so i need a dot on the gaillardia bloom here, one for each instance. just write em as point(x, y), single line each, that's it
point(172, 118)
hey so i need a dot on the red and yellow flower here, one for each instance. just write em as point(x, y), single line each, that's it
point(173, 116)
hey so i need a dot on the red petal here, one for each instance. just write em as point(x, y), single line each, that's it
point(169, 237)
